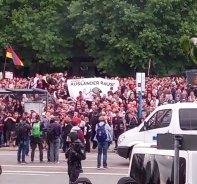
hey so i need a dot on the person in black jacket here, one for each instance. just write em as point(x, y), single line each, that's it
point(132, 121)
point(118, 127)
point(74, 155)
point(65, 131)
point(93, 122)
point(22, 132)
point(87, 134)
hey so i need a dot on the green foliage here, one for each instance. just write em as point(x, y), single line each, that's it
point(119, 34)
point(37, 30)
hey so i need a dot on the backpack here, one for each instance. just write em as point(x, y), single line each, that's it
point(36, 130)
point(21, 132)
point(101, 134)
point(81, 135)
point(50, 133)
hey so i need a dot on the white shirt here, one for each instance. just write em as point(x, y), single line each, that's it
point(35, 82)
point(88, 97)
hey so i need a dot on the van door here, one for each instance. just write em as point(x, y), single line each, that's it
point(164, 166)
point(141, 164)
point(158, 123)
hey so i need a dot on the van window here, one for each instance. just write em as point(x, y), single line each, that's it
point(154, 169)
point(160, 119)
point(188, 119)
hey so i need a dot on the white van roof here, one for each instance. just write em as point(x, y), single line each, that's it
point(184, 105)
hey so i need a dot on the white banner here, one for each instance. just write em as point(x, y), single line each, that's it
point(89, 86)
point(8, 75)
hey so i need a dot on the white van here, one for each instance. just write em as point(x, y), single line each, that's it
point(179, 118)
point(151, 165)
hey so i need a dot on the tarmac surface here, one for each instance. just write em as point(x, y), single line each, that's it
point(45, 173)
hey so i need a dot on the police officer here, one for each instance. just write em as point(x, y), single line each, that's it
point(83, 181)
point(74, 155)
point(118, 127)
point(126, 180)
point(132, 121)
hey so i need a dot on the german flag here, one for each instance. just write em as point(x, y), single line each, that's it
point(12, 55)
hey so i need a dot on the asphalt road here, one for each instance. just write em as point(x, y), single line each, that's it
point(45, 173)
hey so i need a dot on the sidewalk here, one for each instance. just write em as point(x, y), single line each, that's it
point(16, 148)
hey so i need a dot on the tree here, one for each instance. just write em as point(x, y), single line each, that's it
point(118, 34)
point(121, 34)
point(37, 30)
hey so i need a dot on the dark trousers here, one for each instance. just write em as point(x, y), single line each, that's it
point(66, 145)
point(116, 135)
point(73, 171)
point(87, 146)
point(54, 150)
point(48, 152)
point(1, 133)
point(94, 145)
point(22, 147)
point(27, 147)
point(34, 143)
point(4, 135)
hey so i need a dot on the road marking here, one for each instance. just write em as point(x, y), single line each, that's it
point(54, 166)
point(20, 174)
point(63, 160)
point(48, 172)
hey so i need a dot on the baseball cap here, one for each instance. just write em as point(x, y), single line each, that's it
point(83, 181)
point(126, 180)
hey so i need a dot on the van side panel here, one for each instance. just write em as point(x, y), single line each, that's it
point(140, 151)
point(192, 168)
point(160, 164)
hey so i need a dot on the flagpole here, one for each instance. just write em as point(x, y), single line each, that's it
point(4, 67)
point(149, 67)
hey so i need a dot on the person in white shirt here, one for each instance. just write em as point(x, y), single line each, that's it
point(36, 80)
point(88, 98)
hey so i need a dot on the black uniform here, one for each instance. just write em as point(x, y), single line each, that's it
point(118, 128)
point(75, 154)
point(132, 123)
point(93, 122)
point(66, 130)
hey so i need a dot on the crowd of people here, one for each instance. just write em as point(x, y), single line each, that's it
point(123, 103)
point(100, 120)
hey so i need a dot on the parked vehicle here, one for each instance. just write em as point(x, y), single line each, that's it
point(179, 118)
point(151, 165)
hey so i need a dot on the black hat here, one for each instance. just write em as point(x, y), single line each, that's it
point(126, 180)
point(73, 136)
point(83, 181)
